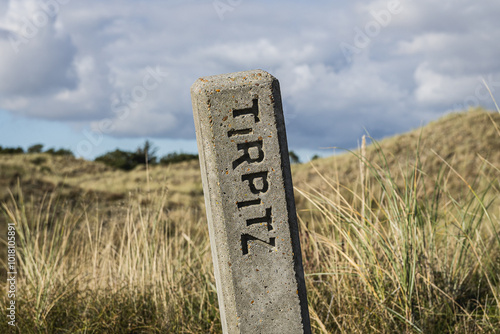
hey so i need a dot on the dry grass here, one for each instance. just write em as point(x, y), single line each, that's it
point(468, 141)
point(411, 263)
point(144, 271)
point(412, 246)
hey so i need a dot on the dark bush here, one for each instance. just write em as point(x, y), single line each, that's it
point(149, 151)
point(119, 159)
point(177, 157)
point(11, 150)
point(145, 154)
point(37, 148)
point(60, 152)
point(294, 158)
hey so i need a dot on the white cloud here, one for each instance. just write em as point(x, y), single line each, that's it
point(87, 61)
point(421, 44)
point(37, 59)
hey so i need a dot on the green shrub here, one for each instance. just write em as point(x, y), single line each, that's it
point(37, 148)
point(294, 158)
point(177, 157)
point(60, 152)
point(11, 150)
point(118, 159)
point(129, 160)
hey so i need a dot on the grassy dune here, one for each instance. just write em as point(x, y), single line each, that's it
point(400, 236)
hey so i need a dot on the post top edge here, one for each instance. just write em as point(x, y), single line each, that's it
point(222, 81)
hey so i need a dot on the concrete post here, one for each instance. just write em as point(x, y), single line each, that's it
point(250, 205)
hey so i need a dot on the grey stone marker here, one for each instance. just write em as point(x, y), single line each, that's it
point(250, 205)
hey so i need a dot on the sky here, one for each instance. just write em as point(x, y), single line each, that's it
point(92, 76)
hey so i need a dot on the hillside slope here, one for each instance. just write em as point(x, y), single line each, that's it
point(467, 141)
point(105, 250)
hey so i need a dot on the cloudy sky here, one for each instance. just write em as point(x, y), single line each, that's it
point(92, 76)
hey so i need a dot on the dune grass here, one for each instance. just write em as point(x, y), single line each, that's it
point(398, 259)
point(381, 259)
point(146, 271)
point(395, 249)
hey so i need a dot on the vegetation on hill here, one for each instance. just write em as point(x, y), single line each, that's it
point(119, 159)
point(401, 236)
point(468, 142)
point(294, 158)
point(129, 160)
point(142, 156)
point(175, 157)
point(37, 148)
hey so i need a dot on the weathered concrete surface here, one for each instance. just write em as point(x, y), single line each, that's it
point(250, 205)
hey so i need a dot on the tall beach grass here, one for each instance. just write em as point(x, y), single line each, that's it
point(391, 256)
point(385, 254)
point(147, 271)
